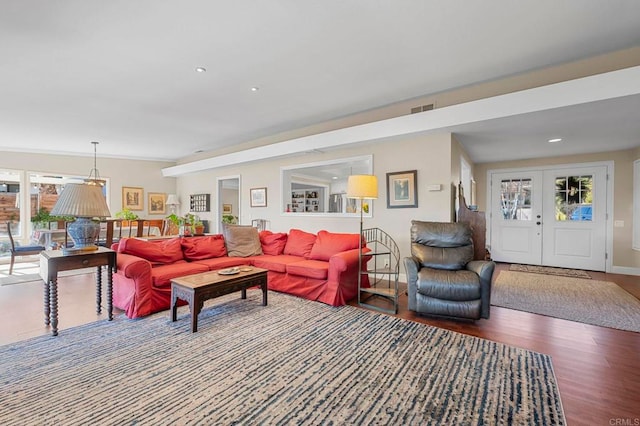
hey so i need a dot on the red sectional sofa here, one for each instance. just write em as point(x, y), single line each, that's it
point(322, 267)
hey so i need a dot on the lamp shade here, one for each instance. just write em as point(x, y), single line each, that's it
point(172, 200)
point(362, 186)
point(80, 200)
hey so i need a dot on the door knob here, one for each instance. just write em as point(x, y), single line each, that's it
point(538, 223)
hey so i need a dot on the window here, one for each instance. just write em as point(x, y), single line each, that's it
point(9, 202)
point(515, 199)
point(574, 198)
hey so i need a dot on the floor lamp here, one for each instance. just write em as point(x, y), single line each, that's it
point(362, 187)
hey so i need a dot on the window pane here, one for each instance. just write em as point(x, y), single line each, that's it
point(574, 198)
point(9, 208)
point(515, 202)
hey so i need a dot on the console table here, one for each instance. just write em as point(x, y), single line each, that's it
point(54, 261)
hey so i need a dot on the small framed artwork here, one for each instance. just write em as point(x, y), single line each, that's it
point(258, 197)
point(132, 198)
point(227, 209)
point(157, 203)
point(402, 189)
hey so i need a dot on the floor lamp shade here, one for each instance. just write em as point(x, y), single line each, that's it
point(362, 186)
point(83, 202)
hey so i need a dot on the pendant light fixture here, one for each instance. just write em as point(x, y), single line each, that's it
point(94, 175)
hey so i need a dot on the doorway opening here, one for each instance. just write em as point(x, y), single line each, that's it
point(228, 201)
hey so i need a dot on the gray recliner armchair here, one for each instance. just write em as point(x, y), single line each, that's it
point(442, 277)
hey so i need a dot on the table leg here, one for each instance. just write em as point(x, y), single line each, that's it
point(195, 306)
point(47, 304)
point(53, 302)
point(110, 292)
point(264, 293)
point(99, 289)
point(243, 293)
point(194, 316)
point(174, 306)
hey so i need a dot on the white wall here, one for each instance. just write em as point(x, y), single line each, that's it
point(430, 155)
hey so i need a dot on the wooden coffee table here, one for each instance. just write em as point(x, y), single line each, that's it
point(195, 289)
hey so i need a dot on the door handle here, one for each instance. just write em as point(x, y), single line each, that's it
point(538, 223)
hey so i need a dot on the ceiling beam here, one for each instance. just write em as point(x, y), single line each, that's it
point(594, 88)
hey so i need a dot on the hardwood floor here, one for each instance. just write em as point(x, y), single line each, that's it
point(598, 369)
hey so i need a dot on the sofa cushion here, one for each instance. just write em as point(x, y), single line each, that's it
point(242, 241)
point(199, 248)
point(162, 251)
point(273, 244)
point(276, 263)
point(328, 243)
point(161, 275)
point(299, 243)
point(309, 268)
point(223, 262)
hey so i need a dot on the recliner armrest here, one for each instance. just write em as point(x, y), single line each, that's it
point(411, 265)
point(484, 269)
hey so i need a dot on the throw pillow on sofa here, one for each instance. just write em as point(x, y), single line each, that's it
point(200, 248)
point(242, 240)
point(299, 243)
point(328, 243)
point(273, 244)
point(165, 251)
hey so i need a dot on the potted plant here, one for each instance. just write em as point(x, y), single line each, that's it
point(198, 227)
point(230, 219)
point(43, 218)
point(126, 214)
point(186, 224)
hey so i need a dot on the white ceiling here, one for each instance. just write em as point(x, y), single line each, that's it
point(123, 72)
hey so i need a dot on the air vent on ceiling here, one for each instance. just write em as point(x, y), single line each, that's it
point(422, 108)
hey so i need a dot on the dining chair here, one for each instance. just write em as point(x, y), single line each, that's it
point(17, 251)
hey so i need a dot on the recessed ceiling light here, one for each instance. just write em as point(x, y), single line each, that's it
point(201, 69)
point(555, 140)
point(255, 89)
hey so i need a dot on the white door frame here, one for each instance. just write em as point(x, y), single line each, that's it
point(609, 203)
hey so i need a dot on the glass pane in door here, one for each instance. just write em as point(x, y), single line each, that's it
point(515, 199)
point(9, 206)
point(574, 198)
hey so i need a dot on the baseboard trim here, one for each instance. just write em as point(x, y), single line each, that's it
point(625, 270)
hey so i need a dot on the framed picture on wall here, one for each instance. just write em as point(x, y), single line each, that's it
point(402, 189)
point(132, 198)
point(227, 209)
point(157, 203)
point(258, 197)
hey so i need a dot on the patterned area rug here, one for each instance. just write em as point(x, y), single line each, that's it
point(548, 270)
point(592, 302)
point(292, 362)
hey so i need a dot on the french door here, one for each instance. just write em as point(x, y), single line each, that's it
point(553, 217)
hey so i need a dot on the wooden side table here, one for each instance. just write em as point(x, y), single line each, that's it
point(54, 261)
